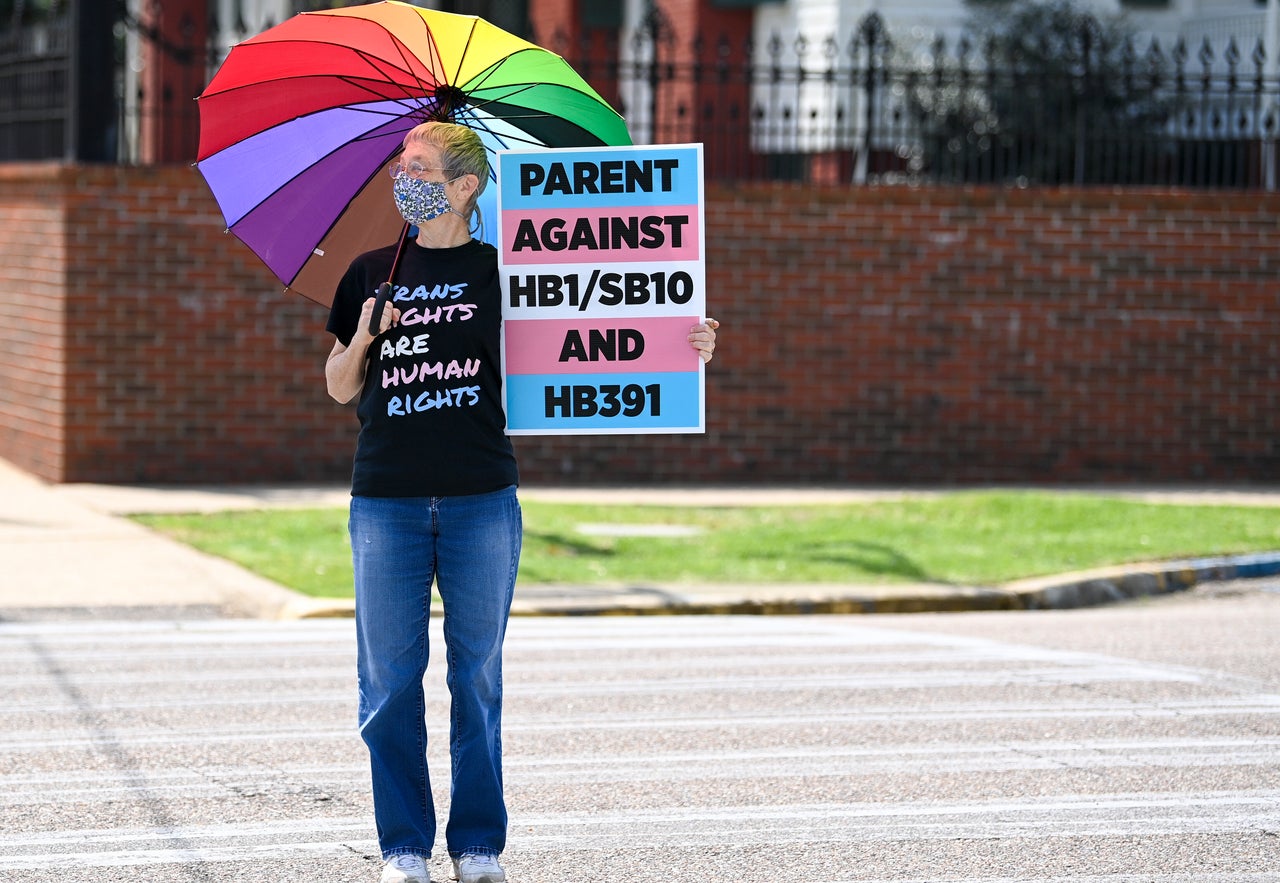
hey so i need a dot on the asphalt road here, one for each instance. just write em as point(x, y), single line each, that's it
point(1129, 744)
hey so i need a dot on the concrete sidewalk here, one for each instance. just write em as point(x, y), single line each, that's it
point(67, 549)
point(63, 553)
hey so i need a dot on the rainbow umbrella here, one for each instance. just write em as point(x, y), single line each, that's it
point(299, 122)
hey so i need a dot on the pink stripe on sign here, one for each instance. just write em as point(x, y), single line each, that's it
point(601, 235)
point(599, 346)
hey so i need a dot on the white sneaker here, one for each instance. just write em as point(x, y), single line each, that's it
point(478, 868)
point(405, 869)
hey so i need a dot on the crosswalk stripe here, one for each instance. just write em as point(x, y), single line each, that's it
point(99, 714)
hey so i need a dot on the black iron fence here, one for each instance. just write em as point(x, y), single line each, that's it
point(864, 109)
point(61, 76)
point(36, 71)
point(867, 110)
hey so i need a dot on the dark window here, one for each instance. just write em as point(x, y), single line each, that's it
point(602, 13)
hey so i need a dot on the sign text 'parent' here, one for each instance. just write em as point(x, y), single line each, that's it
point(602, 256)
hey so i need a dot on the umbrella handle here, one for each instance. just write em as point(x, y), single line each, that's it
point(384, 290)
point(375, 321)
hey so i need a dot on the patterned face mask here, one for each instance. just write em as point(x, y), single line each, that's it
point(420, 201)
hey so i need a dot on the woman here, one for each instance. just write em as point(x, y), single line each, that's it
point(433, 498)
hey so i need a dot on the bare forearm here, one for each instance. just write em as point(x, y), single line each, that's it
point(344, 370)
point(344, 373)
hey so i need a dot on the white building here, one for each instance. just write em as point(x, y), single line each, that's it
point(909, 21)
point(914, 20)
point(803, 34)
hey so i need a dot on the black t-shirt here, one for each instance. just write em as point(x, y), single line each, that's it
point(431, 420)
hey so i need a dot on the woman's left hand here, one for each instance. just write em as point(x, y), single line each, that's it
point(703, 338)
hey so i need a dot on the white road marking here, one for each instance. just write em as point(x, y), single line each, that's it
point(152, 694)
point(1100, 816)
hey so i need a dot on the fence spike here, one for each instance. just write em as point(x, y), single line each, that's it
point(775, 46)
point(872, 29)
point(1205, 55)
point(1232, 54)
point(1155, 54)
point(939, 48)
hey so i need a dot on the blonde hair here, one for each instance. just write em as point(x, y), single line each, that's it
point(461, 153)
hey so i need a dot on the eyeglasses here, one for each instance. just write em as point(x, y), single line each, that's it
point(414, 170)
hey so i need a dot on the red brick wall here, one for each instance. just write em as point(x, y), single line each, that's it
point(556, 24)
point(178, 357)
point(890, 335)
point(32, 308)
point(903, 335)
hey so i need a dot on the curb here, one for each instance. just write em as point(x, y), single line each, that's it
point(1062, 592)
point(1121, 584)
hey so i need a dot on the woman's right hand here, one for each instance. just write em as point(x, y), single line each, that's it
point(345, 367)
point(390, 316)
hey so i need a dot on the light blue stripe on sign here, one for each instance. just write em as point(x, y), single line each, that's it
point(600, 177)
point(604, 402)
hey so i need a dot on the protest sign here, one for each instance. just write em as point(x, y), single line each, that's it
point(602, 258)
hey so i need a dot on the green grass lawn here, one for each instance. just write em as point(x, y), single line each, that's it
point(962, 537)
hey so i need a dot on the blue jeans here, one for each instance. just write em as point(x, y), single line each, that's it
point(470, 545)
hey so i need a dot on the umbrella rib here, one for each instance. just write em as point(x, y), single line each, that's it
point(506, 138)
point(407, 60)
point(493, 68)
point(408, 100)
point(406, 65)
point(516, 89)
point(530, 115)
point(405, 56)
point(524, 87)
point(462, 56)
point(364, 54)
point(377, 77)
